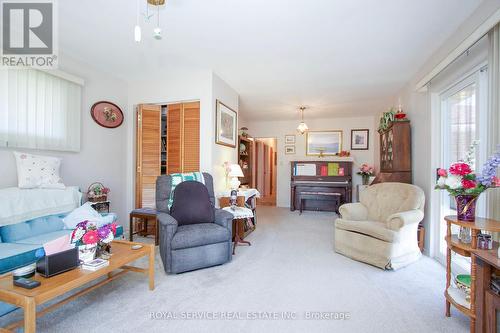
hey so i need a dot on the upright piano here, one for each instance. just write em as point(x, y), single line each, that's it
point(320, 177)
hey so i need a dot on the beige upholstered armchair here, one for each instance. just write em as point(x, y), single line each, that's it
point(381, 229)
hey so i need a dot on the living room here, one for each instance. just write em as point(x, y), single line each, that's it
point(141, 140)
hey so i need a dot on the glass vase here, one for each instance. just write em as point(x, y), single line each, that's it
point(365, 179)
point(466, 207)
point(465, 235)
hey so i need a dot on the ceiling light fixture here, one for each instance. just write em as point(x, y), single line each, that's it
point(302, 128)
point(137, 29)
point(157, 30)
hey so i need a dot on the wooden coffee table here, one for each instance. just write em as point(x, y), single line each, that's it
point(50, 288)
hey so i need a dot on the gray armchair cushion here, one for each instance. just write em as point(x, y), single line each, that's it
point(164, 187)
point(192, 204)
point(192, 235)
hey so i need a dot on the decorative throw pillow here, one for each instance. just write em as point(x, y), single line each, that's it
point(86, 213)
point(35, 171)
point(192, 204)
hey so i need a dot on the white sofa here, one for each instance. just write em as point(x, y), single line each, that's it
point(381, 229)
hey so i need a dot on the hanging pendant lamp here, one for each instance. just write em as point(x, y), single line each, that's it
point(302, 128)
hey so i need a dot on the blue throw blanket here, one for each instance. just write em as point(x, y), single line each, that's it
point(178, 178)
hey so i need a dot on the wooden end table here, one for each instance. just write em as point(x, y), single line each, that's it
point(466, 250)
point(240, 214)
point(144, 214)
point(50, 288)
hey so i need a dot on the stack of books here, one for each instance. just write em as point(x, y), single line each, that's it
point(95, 264)
point(333, 169)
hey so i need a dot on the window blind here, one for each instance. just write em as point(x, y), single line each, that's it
point(39, 111)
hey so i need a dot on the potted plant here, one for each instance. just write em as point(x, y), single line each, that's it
point(465, 185)
point(366, 171)
point(91, 239)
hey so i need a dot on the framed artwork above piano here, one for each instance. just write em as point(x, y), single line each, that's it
point(320, 185)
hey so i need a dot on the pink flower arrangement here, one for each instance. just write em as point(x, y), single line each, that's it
point(460, 179)
point(365, 170)
point(87, 233)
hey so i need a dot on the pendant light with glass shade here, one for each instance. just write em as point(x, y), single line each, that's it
point(157, 32)
point(137, 29)
point(302, 128)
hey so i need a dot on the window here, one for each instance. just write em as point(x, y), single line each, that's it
point(39, 110)
point(461, 118)
point(462, 110)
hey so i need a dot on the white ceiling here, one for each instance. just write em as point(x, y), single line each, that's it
point(339, 57)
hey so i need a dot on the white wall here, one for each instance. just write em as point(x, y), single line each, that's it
point(108, 155)
point(184, 84)
point(177, 84)
point(278, 129)
point(102, 150)
point(223, 92)
point(418, 107)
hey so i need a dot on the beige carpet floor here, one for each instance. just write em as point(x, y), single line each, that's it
point(289, 274)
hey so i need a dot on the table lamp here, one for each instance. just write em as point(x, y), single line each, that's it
point(234, 173)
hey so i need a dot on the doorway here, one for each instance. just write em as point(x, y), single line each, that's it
point(265, 170)
point(461, 108)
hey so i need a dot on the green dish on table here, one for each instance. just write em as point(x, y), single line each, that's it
point(463, 279)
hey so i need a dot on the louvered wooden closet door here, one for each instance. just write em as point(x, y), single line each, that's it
point(174, 138)
point(148, 154)
point(191, 142)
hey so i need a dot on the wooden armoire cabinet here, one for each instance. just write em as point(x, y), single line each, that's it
point(395, 154)
point(167, 141)
point(246, 160)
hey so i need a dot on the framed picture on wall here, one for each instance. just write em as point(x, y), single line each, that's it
point(107, 114)
point(323, 143)
point(290, 139)
point(290, 149)
point(360, 139)
point(226, 122)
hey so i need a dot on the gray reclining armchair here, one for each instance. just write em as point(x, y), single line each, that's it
point(192, 246)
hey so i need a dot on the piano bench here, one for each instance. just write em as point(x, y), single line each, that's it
point(324, 196)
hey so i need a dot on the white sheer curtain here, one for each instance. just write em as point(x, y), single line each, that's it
point(39, 111)
point(494, 111)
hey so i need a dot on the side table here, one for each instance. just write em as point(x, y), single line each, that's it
point(487, 300)
point(451, 294)
point(144, 214)
point(101, 206)
point(240, 215)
